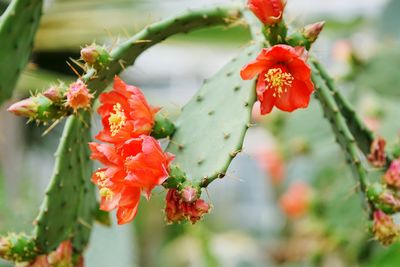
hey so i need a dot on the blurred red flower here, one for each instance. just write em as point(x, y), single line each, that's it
point(284, 78)
point(268, 11)
point(296, 200)
point(125, 113)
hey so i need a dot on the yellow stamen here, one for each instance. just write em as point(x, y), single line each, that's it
point(106, 193)
point(278, 80)
point(117, 119)
point(102, 178)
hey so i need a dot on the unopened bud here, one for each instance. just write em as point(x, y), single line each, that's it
point(384, 228)
point(95, 55)
point(36, 108)
point(55, 93)
point(377, 156)
point(312, 31)
point(392, 175)
point(24, 108)
point(17, 247)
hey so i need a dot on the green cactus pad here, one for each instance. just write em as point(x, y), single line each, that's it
point(210, 131)
point(68, 208)
point(18, 26)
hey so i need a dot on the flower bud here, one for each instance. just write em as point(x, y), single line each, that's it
point(312, 31)
point(377, 156)
point(24, 108)
point(78, 96)
point(269, 12)
point(55, 93)
point(41, 261)
point(392, 175)
point(384, 228)
point(95, 55)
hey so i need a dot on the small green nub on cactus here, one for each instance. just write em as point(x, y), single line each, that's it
point(374, 191)
point(176, 177)
point(95, 56)
point(17, 247)
point(163, 127)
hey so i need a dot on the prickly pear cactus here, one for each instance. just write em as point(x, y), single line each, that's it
point(210, 131)
point(70, 201)
point(18, 26)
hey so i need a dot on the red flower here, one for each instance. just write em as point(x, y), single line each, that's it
point(177, 209)
point(138, 165)
point(284, 78)
point(268, 11)
point(392, 175)
point(78, 95)
point(125, 113)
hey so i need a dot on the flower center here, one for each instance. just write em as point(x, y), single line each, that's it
point(117, 119)
point(106, 193)
point(102, 178)
point(278, 80)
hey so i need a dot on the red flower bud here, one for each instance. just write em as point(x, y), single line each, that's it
point(384, 228)
point(377, 156)
point(392, 175)
point(55, 93)
point(312, 31)
point(268, 12)
point(78, 95)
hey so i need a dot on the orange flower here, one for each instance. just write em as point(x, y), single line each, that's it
point(296, 201)
point(125, 113)
point(284, 78)
point(138, 165)
point(78, 96)
point(146, 163)
point(268, 11)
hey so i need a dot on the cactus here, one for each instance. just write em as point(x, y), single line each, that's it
point(127, 52)
point(18, 26)
point(211, 128)
point(68, 208)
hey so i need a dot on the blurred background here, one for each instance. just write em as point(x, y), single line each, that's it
point(288, 199)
